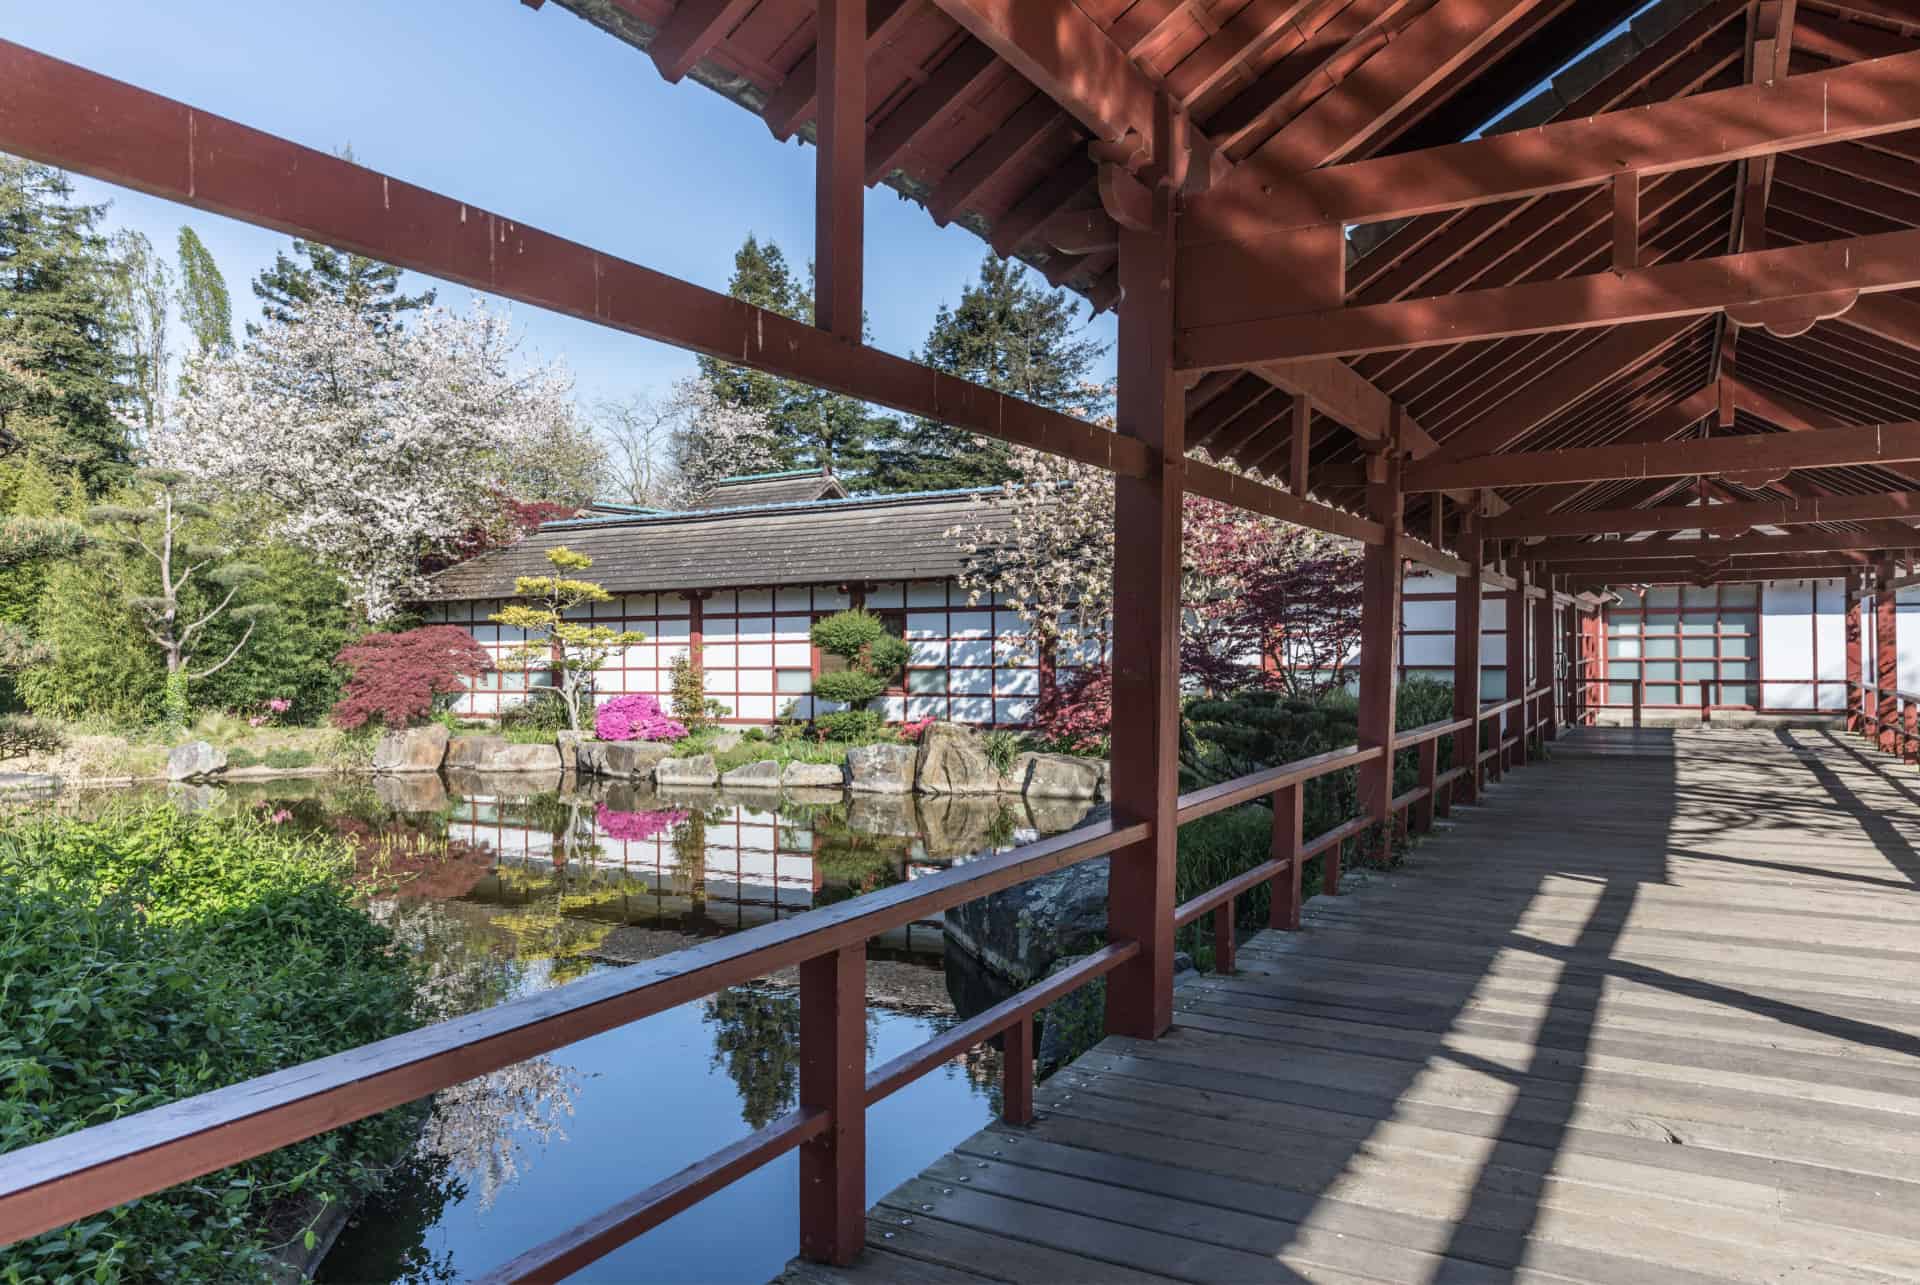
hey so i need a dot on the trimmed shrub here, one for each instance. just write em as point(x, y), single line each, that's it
point(400, 679)
point(874, 657)
point(635, 718)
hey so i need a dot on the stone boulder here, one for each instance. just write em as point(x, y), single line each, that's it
point(896, 815)
point(416, 749)
point(195, 760)
point(511, 757)
point(1018, 933)
point(881, 769)
point(764, 775)
point(814, 776)
point(1076, 1022)
point(1058, 776)
point(473, 783)
point(958, 825)
point(1055, 816)
point(568, 743)
point(724, 741)
point(472, 751)
point(622, 760)
point(697, 770)
point(952, 760)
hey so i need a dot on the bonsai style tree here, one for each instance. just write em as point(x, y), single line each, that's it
point(873, 658)
point(157, 532)
point(572, 650)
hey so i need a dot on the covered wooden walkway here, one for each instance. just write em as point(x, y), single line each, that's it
point(1653, 1015)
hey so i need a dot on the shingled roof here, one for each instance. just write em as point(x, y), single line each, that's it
point(886, 537)
point(796, 487)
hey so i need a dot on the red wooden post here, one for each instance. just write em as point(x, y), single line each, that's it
point(1519, 615)
point(1429, 755)
point(1016, 1075)
point(1856, 694)
point(1639, 699)
point(833, 1077)
point(840, 168)
point(1288, 812)
point(1443, 799)
point(1706, 701)
point(1543, 675)
point(1887, 664)
point(1469, 591)
point(1223, 936)
point(1380, 585)
point(1910, 728)
point(1146, 615)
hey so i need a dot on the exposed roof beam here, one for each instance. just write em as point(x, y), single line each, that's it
point(1890, 317)
point(1216, 483)
point(796, 100)
point(1856, 101)
point(945, 88)
point(1875, 444)
point(1887, 261)
point(1569, 550)
point(692, 31)
point(1420, 59)
point(1713, 517)
point(1033, 124)
point(140, 140)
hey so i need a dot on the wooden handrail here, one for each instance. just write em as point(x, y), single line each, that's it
point(1430, 731)
point(53, 1183)
point(1255, 785)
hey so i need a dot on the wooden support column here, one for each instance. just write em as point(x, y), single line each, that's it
point(1288, 819)
point(1518, 617)
point(1886, 623)
point(1469, 593)
point(833, 1078)
point(840, 163)
point(1543, 675)
point(1856, 693)
point(1146, 619)
point(1302, 444)
point(1380, 586)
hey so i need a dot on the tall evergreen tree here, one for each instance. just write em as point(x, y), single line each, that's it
point(142, 303)
point(62, 373)
point(1010, 334)
point(204, 304)
point(811, 428)
point(370, 287)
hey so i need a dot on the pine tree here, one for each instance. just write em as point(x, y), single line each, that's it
point(62, 374)
point(812, 428)
point(370, 287)
point(1009, 334)
point(204, 304)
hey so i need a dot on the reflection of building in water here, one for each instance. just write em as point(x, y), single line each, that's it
point(704, 868)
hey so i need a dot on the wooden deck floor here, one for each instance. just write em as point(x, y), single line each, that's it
point(1651, 1014)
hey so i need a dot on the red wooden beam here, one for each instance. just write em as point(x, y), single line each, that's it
point(1380, 588)
point(945, 90)
point(796, 100)
point(1469, 593)
point(1242, 492)
point(1888, 261)
point(1861, 100)
point(839, 185)
point(690, 34)
point(1569, 549)
point(1876, 444)
point(64, 115)
point(1715, 517)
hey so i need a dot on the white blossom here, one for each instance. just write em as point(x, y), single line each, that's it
point(371, 450)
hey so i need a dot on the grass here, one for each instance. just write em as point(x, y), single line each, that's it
point(99, 750)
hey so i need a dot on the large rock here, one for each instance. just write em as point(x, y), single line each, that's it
point(1053, 816)
point(896, 815)
point(472, 751)
point(568, 743)
point(697, 770)
point(764, 775)
point(511, 757)
point(881, 769)
point(1018, 933)
point(622, 760)
point(952, 760)
point(197, 759)
point(814, 776)
point(472, 783)
point(1058, 776)
point(957, 825)
point(416, 749)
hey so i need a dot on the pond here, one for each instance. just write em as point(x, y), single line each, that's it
point(504, 886)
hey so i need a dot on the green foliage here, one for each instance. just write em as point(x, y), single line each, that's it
point(1001, 749)
point(539, 716)
point(62, 374)
point(554, 639)
point(204, 304)
point(149, 956)
point(293, 646)
point(690, 703)
point(371, 287)
point(854, 727)
point(101, 664)
point(812, 429)
point(285, 758)
point(874, 657)
point(176, 705)
point(21, 735)
point(1013, 335)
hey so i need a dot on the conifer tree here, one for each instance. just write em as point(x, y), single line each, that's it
point(811, 428)
point(370, 287)
point(61, 367)
point(1012, 335)
point(204, 304)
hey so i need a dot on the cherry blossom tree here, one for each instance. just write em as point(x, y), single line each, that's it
point(371, 448)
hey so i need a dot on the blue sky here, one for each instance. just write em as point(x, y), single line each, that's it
point(534, 114)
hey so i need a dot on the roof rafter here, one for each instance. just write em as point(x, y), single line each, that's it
point(1736, 516)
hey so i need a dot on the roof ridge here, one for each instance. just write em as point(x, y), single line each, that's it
point(878, 499)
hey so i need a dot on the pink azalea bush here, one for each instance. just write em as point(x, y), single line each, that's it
point(630, 827)
point(636, 718)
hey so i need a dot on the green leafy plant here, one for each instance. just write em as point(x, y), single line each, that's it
point(852, 726)
point(21, 735)
point(572, 650)
point(1001, 749)
point(873, 658)
point(690, 703)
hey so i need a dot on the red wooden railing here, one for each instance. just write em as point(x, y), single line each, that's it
point(54, 1183)
point(1887, 716)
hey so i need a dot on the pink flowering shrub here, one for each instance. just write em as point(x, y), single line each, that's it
point(629, 827)
point(912, 731)
point(636, 718)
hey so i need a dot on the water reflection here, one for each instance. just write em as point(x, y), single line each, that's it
point(505, 886)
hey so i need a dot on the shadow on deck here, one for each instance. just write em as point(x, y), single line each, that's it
point(1652, 1015)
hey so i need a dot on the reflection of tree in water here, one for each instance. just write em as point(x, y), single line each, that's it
point(386, 1238)
point(757, 1041)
